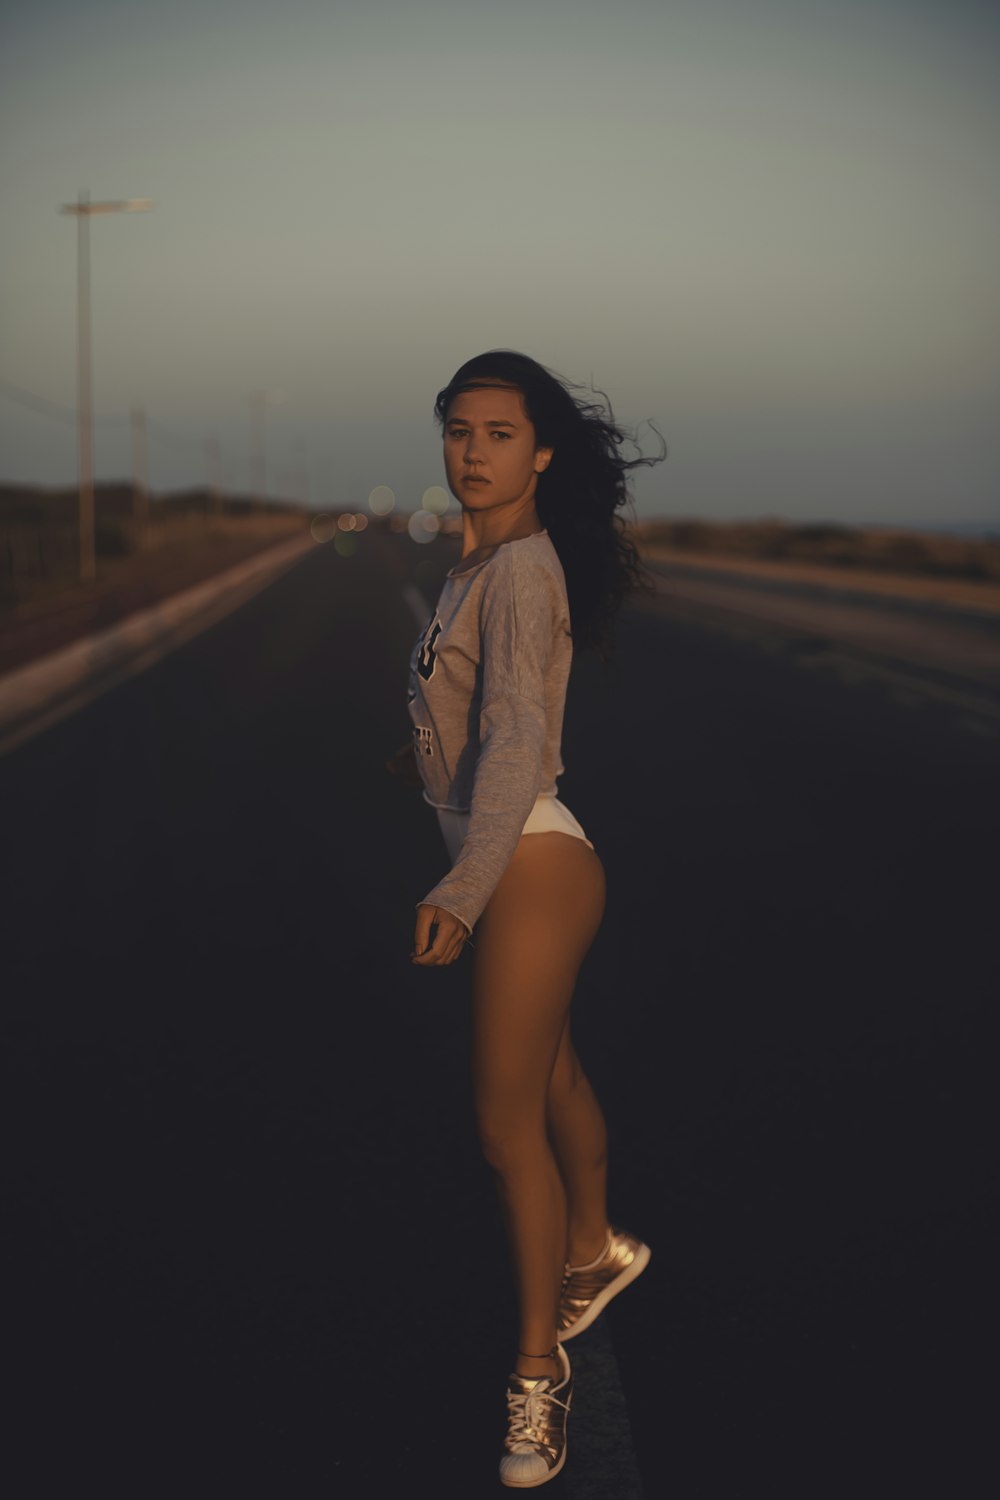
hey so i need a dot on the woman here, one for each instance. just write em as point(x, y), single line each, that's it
point(540, 480)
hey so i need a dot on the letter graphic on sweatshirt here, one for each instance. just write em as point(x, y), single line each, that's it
point(426, 652)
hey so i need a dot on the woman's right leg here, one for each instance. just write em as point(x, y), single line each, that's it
point(530, 943)
point(580, 1144)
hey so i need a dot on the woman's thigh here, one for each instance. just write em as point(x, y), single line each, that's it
point(530, 942)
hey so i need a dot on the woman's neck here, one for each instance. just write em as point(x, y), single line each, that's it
point(483, 531)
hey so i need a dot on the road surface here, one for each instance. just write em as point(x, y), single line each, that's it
point(251, 1244)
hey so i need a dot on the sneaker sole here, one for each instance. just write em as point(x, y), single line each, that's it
point(532, 1484)
point(602, 1299)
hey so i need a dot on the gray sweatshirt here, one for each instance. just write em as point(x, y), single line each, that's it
point(488, 679)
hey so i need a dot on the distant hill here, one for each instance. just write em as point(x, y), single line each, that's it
point(960, 528)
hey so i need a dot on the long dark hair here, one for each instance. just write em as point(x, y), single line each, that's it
point(581, 495)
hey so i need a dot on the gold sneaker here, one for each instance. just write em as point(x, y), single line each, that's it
point(587, 1290)
point(537, 1412)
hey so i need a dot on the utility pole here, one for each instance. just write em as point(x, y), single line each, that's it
point(83, 211)
point(213, 471)
point(85, 422)
point(259, 402)
point(302, 474)
point(140, 479)
point(258, 457)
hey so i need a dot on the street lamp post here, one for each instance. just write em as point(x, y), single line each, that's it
point(83, 211)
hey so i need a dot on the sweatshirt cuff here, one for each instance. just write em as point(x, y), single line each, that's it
point(441, 907)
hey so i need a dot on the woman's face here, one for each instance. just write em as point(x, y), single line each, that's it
point(489, 449)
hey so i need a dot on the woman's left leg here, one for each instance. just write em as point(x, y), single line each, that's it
point(530, 943)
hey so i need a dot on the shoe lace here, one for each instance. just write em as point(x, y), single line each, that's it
point(527, 1415)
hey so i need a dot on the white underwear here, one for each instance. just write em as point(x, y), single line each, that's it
point(548, 815)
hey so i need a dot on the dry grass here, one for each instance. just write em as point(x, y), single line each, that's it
point(190, 533)
point(908, 554)
point(43, 603)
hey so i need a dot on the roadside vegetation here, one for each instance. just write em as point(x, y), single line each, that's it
point(874, 549)
point(193, 531)
point(149, 549)
point(143, 553)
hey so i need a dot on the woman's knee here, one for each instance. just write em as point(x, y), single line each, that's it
point(567, 1076)
point(509, 1144)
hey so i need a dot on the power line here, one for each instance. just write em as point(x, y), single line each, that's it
point(172, 439)
point(57, 412)
point(54, 409)
point(47, 408)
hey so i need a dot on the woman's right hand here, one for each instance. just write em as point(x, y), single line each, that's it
point(450, 936)
point(403, 764)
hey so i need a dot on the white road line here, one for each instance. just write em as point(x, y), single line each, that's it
point(601, 1461)
point(41, 693)
point(965, 675)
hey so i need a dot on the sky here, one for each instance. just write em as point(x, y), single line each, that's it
point(771, 228)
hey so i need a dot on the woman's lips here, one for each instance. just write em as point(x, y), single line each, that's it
point(474, 479)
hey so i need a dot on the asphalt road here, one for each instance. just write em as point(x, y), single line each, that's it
point(251, 1247)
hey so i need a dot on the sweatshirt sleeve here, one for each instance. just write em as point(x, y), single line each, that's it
point(519, 616)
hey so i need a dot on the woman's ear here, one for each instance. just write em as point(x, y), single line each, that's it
point(543, 457)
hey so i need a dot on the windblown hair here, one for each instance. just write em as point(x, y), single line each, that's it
point(581, 495)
